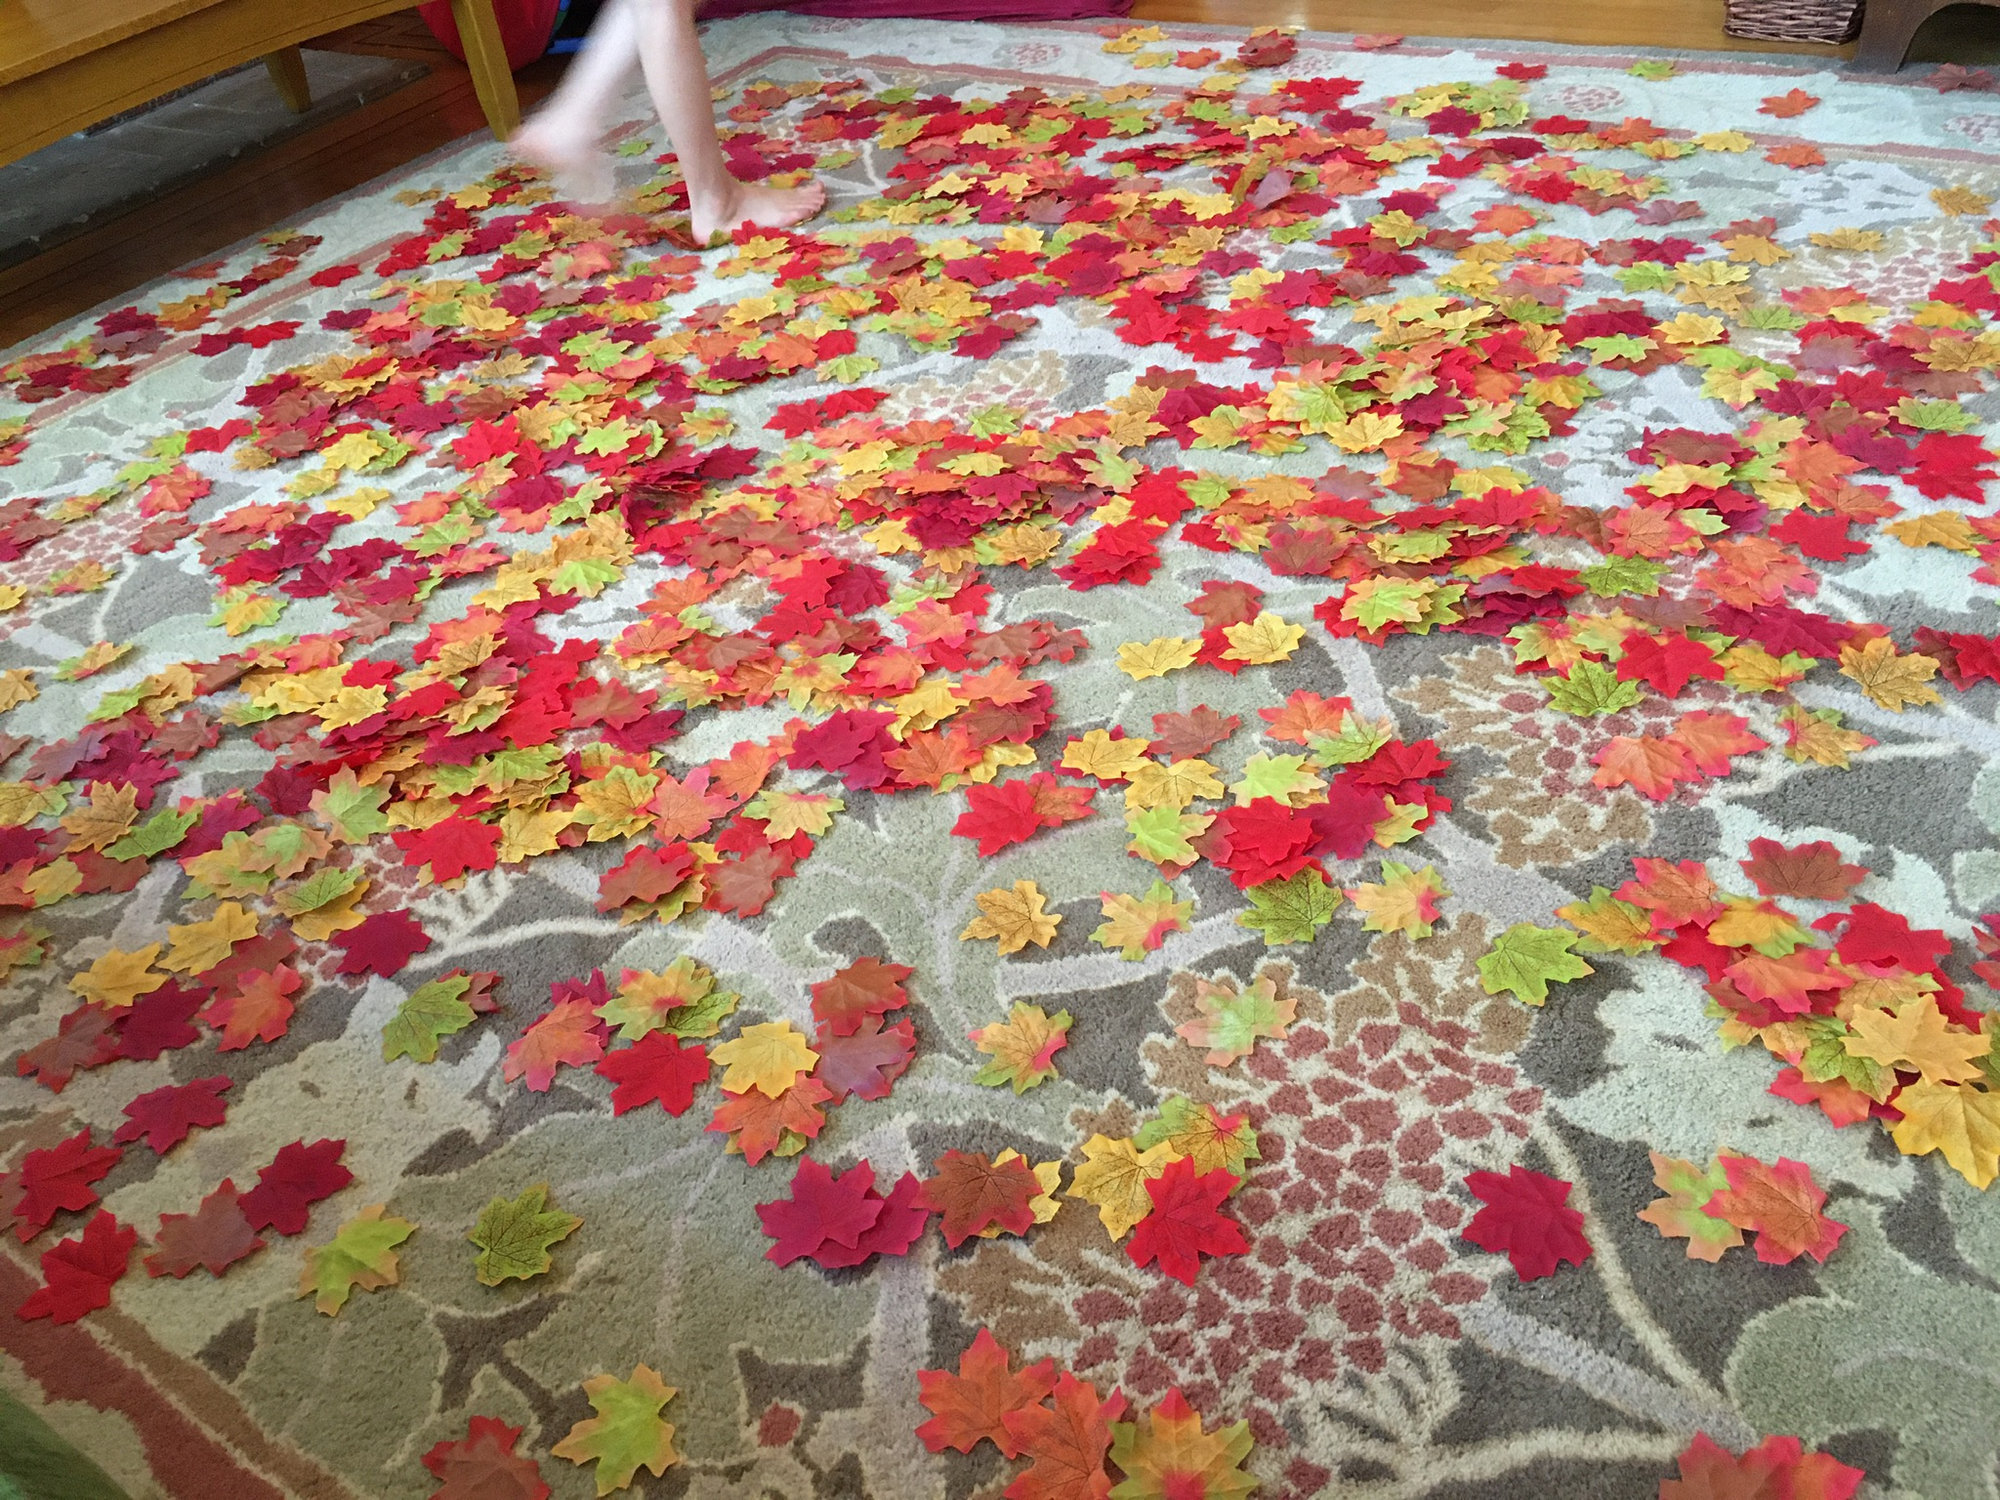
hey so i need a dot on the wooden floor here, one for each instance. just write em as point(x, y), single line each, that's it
point(277, 184)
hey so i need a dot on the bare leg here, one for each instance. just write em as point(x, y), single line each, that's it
point(677, 78)
point(564, 137)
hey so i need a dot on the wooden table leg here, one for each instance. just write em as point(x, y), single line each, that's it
point(288, 71)
point(492, 80)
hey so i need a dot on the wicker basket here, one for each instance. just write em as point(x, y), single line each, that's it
point(1794, 20)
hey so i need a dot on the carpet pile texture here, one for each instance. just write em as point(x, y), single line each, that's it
point(1277, 774)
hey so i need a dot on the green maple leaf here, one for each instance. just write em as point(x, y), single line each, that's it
point(1624, 575)
point(361, 1254)
point(1394, 599)
point(514, 1236)
point(1357, 739)
point(352, 812)
point(327, 884)
point(1590, 688)
point(1161, 835)
point(156, 835)
point(1683, 1213)
point(627, 1433)
point(1202, 1132)
point(1655, 69)
point(1272, 776)
point(433, 1012)
point(703, 1017)
point(1291, 910)
point(1649, 276)
point(1525, 959)
point(1825, 1058)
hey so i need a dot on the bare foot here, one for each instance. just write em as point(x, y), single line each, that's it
point(573, 158)
point(753, 203)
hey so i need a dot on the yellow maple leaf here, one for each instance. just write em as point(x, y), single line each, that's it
point(200, 946)
point(1364, 432)
point(526, 832)
point(337, 915)
point(1025, 545)
point(1917, 1036)
point(1890, 680)
point(1961, 1122)
point(1691, 329)
point(1268, 638)
point(1113, 1177)
point(1136, 925)
point(120, 977)
point(768, 1058)
point(1404, 901)
point(1816, 735)
point(1023, 1047)
point(1848, 239)
point(1155, 785)
point(1014, 917)
point(110, 813)
point(1098, 754)
point(17, 686)
point(1944, 528)
point(1960, 200)
point(1139, 660)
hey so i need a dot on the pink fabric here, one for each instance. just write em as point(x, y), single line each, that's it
point(928, 10)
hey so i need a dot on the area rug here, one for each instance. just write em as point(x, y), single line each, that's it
point(1275, 775)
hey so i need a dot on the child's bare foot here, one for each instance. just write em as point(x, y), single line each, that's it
point(753, 203)
point(572, 157)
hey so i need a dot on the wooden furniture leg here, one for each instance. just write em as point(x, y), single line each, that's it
point(492, 80)
point(1887, 28)
point(288, 71)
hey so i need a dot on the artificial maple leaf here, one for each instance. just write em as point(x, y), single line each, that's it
point(1788, 105)
point(1770, 1471)
point(1917, 1036)
point(163, 1118)
point(1186, 1221)
point(1192, 734)
point(1229, 1020)
point(1140, 660)
point(1137, 925)
point(866, 987)
point(1023, 1047)
point(483, 1465)
point(298, 1177)
point(382, 944)
point(1525, 959)
point(216, 1236)
point(1404, 901)
point(1647, 763)
point(570, 1034)
point(1290, 909)
point(1210, 1139)
point(435, 1010)
point(768, 1058)
point(1172, 1457)
point(867, 1061)
point(825, 1209)
point(514, 1235)
point(1066, 1440)
point(1014, 917)
point(972, 1406)
point(118, 978)
point(1961, 1121)
point(1527, 1216)
point(627, 1434)
point(56, 1178)
point(1813, 870)
point(78, 1273)
point(659, 1066)
point(1781, 1203)
point(259, 1010)
point(1687, 1211)
point(758, 1124)
point(973, 1191)
point(362, 1253)
point(1888, 679)
point(1113, 1177)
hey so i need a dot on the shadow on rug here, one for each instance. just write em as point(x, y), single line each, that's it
point(1277, 772)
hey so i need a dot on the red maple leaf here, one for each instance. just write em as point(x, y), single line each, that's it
point(865, 1062)
point(1776, 1469)
point(657, 1066)
point(998, 814)
point(866, 987)
point(1667, 662)
point(972, 1192)
point(85, 1038)
point(645, 874)
point(570, 1032)
point(298, 1177)
point(77, 1273)
point(53, 1179)
point(483, 1465)
point(825, 1208)
point(1950, 464)
point(757, 1123)
point(216, 1236)
point(1782, 1203)
point(972, 1406)
point(1186, 1221)
point(451, 846)
point(1821, 537)
point(258, 1009)
point(164, 1117)
point(381, 944)
point(1066, 1440)
point(1527, 1217)
point(1813, 871)
point(900, 1225)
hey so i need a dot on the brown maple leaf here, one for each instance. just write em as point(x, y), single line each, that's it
point(972, 1192)
point(1813, 871)
point(215, 1236)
